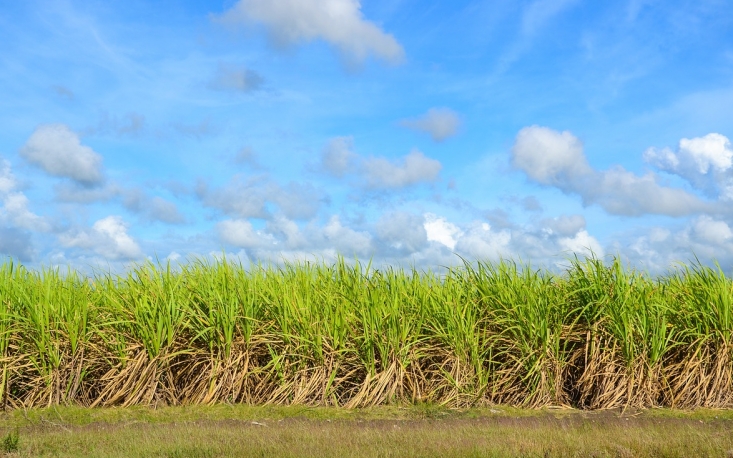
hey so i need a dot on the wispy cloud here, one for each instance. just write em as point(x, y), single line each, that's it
point(535, 17)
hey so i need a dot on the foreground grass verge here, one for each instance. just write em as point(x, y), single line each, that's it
point(213, 431)
point(598, 336)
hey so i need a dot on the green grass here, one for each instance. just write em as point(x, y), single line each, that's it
point(423, 430)
point(598, 336)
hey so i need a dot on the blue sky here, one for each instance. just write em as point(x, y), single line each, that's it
point(401, 131)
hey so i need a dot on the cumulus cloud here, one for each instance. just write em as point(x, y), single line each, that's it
point(705, 162)
point(57, 150)
point(381, 173)
point(581, 244)
point(240, 233)
point(440, 123)
point(107, 237)
point(345, 239)
point(287, 231)
point(550, 157)
point(236, 79)
point(338, 22)
point(440, 230)
point(479, 241)
point(557, 159)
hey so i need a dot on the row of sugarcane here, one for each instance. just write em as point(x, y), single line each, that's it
point(597, 335)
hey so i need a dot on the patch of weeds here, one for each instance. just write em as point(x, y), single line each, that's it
point(10, 442)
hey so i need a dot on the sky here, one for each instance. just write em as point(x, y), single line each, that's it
point(409, 133)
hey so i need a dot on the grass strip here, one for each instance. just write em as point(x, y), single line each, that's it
point(200, 431)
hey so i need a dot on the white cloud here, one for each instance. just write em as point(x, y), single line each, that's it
point(345, 240)
point(440, 230)
point(57, 150)
point(480, 242)
point(550, 157)
point(415, 168)
point(581, 244)
point(557, 159)
point(711, 151)
point(240, 233)
point(711, 231)
point(287, 231)
point(173, 256)
point(705, 162)
point(621, 192)
point(338, 22)
point(107, 237)
point(440, 123)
